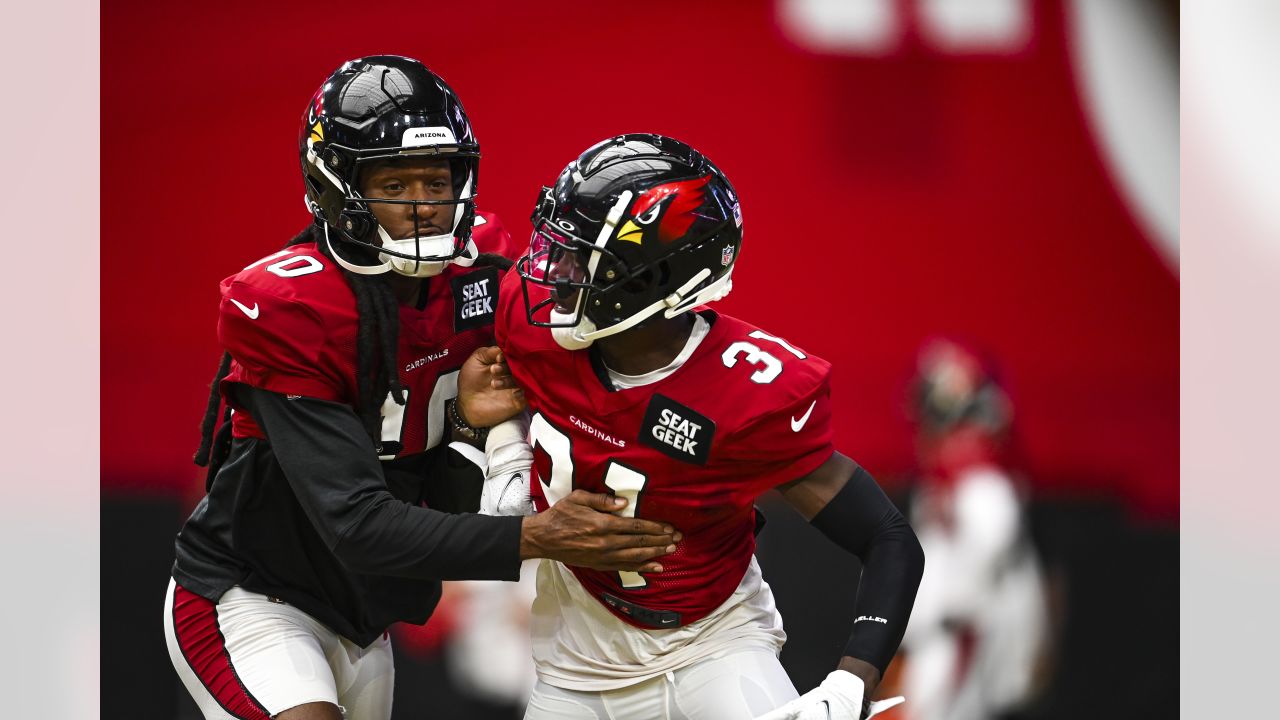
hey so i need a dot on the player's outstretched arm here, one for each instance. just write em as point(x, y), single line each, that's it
point(581, 530)
point(844, 502)
point(330, 464)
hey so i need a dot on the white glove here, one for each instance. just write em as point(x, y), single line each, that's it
point(509, 457)
point(839, 697)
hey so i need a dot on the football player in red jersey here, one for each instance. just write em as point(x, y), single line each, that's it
point(360, 367)
point(978, 640)
point(636, 389)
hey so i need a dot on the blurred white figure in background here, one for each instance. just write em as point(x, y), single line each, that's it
point(979, 629)
point(489, 651)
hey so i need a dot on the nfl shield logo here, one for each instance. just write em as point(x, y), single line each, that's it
point(726, 256)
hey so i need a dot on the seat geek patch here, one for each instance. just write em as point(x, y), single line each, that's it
point(475, 297)
point(676, 431)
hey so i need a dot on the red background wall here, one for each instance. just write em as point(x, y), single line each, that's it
point(885, 199)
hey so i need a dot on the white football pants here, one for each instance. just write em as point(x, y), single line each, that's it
point(249, 658)
point(736, 686)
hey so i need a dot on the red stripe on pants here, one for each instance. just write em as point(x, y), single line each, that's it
point(195, 624)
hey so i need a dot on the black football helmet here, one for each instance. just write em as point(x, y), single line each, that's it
point(638, 224)
point(376, 108)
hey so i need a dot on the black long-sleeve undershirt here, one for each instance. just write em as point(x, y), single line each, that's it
point(311, 516)
point(339, 483)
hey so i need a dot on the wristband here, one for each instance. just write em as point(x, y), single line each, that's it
point(464, 428)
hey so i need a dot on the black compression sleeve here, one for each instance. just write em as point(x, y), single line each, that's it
point(861, 519)
point(330, 464)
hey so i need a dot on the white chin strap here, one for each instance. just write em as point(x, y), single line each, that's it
point(581, 336)
point(434, 245)
point(571, 338)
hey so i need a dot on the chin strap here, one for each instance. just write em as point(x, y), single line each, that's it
point(422, 268)
point(669, 303)
point(675, 299)
point(671, 306)
point(378, 269)
point(678, 303)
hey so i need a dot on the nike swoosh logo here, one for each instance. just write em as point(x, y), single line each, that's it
point(253, 315)
point(515, 481)
point(795, 424)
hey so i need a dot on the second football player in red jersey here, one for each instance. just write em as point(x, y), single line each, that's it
point(634, 388)
point(337, 490)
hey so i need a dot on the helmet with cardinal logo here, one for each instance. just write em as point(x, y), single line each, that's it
point(637, 225)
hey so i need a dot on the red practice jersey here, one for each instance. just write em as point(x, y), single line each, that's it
point(290, 323)
point(746, 412)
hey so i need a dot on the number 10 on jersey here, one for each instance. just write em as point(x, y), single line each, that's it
point(626, 482)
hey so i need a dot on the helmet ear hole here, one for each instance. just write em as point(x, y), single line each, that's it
point(639, 284)
point(664, 273)
point(634, 283)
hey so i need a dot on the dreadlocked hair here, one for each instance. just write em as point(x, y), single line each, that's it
point(211, 413)
point(377, 337)
point(495, 260)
